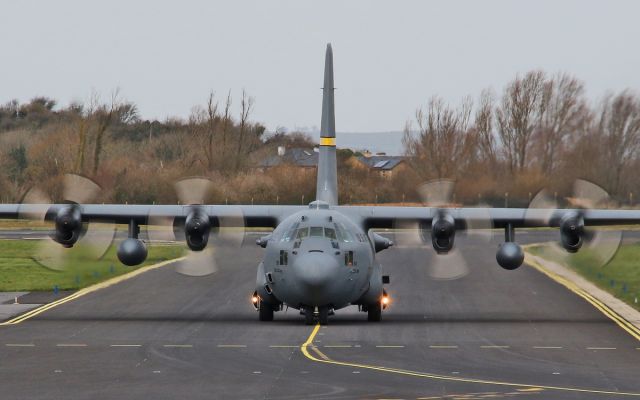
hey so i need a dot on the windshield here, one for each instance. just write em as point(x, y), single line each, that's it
point(313, 231)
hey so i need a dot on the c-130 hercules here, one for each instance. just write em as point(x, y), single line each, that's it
point(321, 257)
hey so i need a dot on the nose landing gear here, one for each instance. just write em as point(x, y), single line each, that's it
point(320, 314)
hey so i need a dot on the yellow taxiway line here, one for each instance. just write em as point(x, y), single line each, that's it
point(600, 306)
point(307, 347)
point(87, 290)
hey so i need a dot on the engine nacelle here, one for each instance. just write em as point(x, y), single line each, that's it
point(510, 255)
point(380, 242)
point(443, 232)
point(132, 252)
point(572, 232)
point(68, 223)
point(196, 229)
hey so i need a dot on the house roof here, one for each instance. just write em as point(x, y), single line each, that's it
point(301, 157)
point(384, 163)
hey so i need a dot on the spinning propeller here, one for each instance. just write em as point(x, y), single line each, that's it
point(70, 234)
point(448, 263)
point(602, 244)
point(208, 239)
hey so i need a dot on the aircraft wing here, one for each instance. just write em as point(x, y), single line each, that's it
point(249, 215)
point(465, 218)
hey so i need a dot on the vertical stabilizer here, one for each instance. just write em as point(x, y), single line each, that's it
point(327, 187)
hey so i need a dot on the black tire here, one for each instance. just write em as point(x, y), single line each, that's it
point(265, 311)
point(323, 315)
point(374, 312)
point(309, 318)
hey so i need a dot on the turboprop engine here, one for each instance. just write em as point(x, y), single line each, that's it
point(443, 232)
point(68, 223)
point(196, 228)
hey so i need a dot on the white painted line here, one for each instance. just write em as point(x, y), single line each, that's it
point(442, 347)
point(232, 345)
point(494, 347)
point(390, 346)
point(601, 348)
point(71, 345)
point(547, 347)
point(20, 345)
point(126, 345)
point(178, 345)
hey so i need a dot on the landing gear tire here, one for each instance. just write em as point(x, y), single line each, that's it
point(265, 311)
point(309, 318)
point(374, 312)
point(323, 315)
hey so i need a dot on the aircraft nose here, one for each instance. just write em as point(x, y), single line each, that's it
point(315, 272)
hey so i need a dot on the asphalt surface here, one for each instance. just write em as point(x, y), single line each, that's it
point(162, 335)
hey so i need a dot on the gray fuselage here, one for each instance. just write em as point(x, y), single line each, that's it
point(319, 258)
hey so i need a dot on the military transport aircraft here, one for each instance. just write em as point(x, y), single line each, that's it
point(318, 258)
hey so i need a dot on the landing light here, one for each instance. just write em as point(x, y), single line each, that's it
point(386, 300)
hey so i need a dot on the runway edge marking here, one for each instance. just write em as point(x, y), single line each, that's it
point(308, 345)
point(599, 305)
point(87, 290)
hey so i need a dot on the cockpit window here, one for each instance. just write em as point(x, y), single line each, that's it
point(302, 233)
point(291, 232)
point(343, 234)
point(314, 231)
point(330, 233)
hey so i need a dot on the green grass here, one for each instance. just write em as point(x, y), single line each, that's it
point(19, 271)
point(620, 277)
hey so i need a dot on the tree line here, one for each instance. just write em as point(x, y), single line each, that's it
point(540, 131)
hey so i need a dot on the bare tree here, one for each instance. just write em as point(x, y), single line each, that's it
point(441, 142)
point(563, 112)
point(211, 129)
point(104, 116)
point(246, 105)
point(619, 125)
point(227, 122)
point(483, 124)
point(518, 116)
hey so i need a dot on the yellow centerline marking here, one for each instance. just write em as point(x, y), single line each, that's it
point(600, 306)
point(87, 290)
point(308, 345)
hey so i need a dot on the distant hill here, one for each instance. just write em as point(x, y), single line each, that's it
point(375, 142)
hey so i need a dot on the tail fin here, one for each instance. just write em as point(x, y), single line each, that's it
point(327, 185)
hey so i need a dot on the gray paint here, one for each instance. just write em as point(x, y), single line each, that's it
point(327, 185)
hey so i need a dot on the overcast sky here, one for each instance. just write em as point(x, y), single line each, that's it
point(390, 57)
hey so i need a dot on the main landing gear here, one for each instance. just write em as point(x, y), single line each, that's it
point(265, 310)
